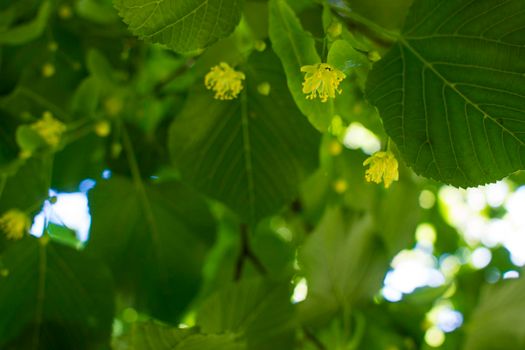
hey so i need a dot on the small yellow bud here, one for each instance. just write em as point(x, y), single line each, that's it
point(48, 70)
point(25, 154)
point(358, 108)
point(102, 128)
point(65, 12)
point(374, 56)
point(52, 46)
point(383, 167)
point(321, 80)
point(260, 45)
point(49, 128)
point(264, 88)
point(113, 106)
point(335, 148)
point(340, 186)
point(225, 81)
point(116, 149)
point(44, 240)
point(334, 30)
point(4, 272)
point(15, 223)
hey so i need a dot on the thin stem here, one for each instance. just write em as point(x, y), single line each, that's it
point(139, 186)
point(44, 103)
point(382, 32)
point(313, 339)
point(247, 254)
point(3, 181)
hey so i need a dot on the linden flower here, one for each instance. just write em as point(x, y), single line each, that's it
point(49, 129)
point(15, 224)
point(321, 80)
point(383, 167)
point(225, 81)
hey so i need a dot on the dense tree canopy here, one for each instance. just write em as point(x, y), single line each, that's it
point(262, 174)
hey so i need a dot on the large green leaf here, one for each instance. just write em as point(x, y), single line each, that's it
point(343, 262)
point(250, 153)
point(257, 310)
point(157, 250)
point(499, 320)
point(53, 297)
point(296, 48)
point(153, 336)
point(451, 92)
point(182, 25)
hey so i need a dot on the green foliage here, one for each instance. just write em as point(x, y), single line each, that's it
point(247, 223)
point(450, 90)
point(53, 297)
point(157, 251)
point(181, 25)
point(149, 336)
point(252, 153)
point(296, 48)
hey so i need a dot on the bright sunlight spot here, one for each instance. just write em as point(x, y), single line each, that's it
point(434, 337)
point(357, 136)
point(70, 210)
point(300, 291)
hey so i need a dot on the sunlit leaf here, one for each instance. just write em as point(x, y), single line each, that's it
point(451, 90)
point(296, 48)
point(181, 25)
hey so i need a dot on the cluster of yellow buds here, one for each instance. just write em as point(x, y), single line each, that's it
point(225, 81)
point(49, 128)
point(383, 167)
point(15, 223)
point(321, 80)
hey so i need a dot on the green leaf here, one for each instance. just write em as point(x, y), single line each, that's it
point(29, 140)
point(451, 91)
point(54, 297)
point(257, 310)
point(296, 48)
point(155, 336)
point(181, 25)
point(210, 342)
point(26, 32)
point(343, 263)
point(28, 186)
point(252, 152)
point(344, 57)
point(157, 250)
point(497, 322)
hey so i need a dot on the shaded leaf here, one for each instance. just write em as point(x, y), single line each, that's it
point(54, 297)
point(156, 254)
point(498, 321)
point(343, 262)
point(250, 153)
point(257, 310)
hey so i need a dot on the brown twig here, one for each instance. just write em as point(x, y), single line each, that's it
point(247, 254)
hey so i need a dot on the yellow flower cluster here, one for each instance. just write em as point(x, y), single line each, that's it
point(15, 224)
point(225, 81)
point(50, 129)
point(383, 168)
point(321, 80)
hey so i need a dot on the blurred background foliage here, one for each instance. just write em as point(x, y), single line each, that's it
point(150, 232)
